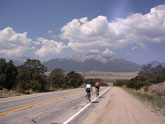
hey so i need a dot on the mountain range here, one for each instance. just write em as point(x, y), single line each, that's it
point(92, 62)
point(19, 60)
point(156, 63)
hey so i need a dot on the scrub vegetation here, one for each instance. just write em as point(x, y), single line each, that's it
point(153, 101)
point(142, 85)
point(31, 78)
point(147, 76)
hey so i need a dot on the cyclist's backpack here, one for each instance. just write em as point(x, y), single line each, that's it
point(88, 86)
point(97, 84)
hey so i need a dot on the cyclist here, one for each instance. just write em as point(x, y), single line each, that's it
point(88, 90)
point(97, 87)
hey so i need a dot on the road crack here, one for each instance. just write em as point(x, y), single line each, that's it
point(34, 121)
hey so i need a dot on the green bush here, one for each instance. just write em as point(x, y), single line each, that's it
point(73, 79)
point(147, 76)
point(31, 76)
point(8, 74)
point(1, 87)
point(120, 82)
point(56, 78)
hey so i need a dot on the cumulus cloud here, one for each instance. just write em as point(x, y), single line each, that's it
point(108, 52)
point(128, 53)
point(12, 43)
point(94, 51)
point(49, 47)
point(133, 48)
point(84, 34)
point(50, 32)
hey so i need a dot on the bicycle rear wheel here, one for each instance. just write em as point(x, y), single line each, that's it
point(97, 92)
point(87, 98)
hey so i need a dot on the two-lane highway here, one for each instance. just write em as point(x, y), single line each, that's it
point(43, 108)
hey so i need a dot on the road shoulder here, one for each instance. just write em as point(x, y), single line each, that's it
point(119, 107)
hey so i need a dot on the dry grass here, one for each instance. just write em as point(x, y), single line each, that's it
point(109, 75)
point(8, 93)
point(156, 103)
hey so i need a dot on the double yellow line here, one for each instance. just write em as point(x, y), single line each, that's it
point(39, 103)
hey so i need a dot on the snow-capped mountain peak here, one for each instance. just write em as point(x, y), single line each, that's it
point(93, 56)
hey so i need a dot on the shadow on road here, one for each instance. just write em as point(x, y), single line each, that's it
point(101, 97)
point(95, 102)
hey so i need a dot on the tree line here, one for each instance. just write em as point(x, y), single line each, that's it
point(31, 76)
point(147, 76)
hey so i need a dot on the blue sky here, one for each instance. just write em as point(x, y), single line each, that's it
point(46, 29)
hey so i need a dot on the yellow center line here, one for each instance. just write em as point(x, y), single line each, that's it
point(39, 103)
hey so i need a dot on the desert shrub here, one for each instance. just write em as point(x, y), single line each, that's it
point(31, 76)
point(147, 76)
point(8, 74)
point(73, 79)
point(56, 78)
point(120, 82)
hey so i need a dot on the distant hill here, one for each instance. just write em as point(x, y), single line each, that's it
point(156, 63)
point(19, 61)
point(92, 62)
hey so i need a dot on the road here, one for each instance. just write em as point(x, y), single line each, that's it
point(43, 108)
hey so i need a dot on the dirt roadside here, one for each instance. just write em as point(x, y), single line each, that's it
point(119, 107)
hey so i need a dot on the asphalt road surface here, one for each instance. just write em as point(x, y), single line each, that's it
point(45, 108)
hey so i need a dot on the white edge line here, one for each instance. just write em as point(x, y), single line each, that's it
point(67, 121)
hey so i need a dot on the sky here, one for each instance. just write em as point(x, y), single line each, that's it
point(45, 29)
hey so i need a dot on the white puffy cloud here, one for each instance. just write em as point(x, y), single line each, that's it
point(99, 33)
point(84, 34)
point(133, 48)
point(49, 47)
point(94, 51)
point(108, 52)
point(12, 43)
point(50, 32)
point(128, 54)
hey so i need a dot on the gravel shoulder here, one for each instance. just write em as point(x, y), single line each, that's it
point(119, 107)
